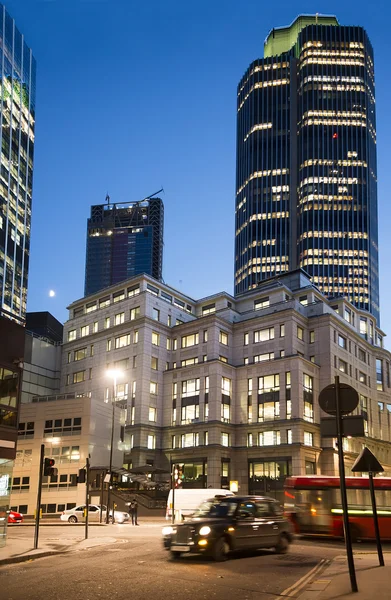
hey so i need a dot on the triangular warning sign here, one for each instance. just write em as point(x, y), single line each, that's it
point(367, 462)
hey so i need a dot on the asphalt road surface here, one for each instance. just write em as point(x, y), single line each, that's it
point(138, 568)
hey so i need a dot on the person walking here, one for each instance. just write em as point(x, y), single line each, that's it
point(133, 511)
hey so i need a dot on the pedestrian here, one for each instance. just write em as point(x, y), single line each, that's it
point(133, 511)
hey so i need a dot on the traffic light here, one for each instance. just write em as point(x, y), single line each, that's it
point(48, 467)
point(178, 475)
point(81, 478)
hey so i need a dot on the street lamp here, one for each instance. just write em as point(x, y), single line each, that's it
point(113, 374)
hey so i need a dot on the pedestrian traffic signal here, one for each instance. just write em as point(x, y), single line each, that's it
point(81, 478)
point(48, 467)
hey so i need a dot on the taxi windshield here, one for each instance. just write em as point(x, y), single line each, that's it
point(215, 509)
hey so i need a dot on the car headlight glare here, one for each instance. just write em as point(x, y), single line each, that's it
point(205, 530)
point(168, 530)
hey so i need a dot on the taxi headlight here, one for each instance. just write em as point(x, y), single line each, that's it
point(168, 530)
point(205, 530)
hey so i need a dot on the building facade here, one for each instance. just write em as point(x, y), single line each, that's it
point(306, 162)
point(228, 387)
point(123, 240)
point(17, 117)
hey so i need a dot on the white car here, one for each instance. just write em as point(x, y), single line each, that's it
point(76, 515)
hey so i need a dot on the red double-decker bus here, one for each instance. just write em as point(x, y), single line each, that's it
point(313, 503)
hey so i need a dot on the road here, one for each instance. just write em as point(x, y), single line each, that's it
point(136, 567)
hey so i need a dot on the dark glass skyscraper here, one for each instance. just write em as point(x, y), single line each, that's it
point(17, 125)
point(123, 240)
point(306, 162)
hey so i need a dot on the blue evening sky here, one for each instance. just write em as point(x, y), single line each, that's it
point(135, 96)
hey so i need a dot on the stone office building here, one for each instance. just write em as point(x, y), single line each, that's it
point(228, 387)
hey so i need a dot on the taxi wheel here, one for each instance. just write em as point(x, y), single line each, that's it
point(282, 546)
point(221, 550)
point(175, 555)
point(72, 519)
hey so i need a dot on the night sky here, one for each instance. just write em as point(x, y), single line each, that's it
point(135, 96)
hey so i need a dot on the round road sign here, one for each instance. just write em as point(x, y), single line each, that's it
point(348, 399)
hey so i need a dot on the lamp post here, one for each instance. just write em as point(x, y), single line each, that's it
point(114, 374)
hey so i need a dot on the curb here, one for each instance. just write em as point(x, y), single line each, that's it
point(302, 583)
point(26, 557)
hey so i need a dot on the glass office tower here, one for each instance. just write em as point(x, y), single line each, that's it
point(17, 118)
point(306, 162)
point(123, 240)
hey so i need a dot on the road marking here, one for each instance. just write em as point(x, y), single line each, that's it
point(291, 591)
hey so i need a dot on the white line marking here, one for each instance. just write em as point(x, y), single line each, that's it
point(304, 580)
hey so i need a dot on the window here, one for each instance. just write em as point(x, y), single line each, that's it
point(153, 387)
point(300, 333)
point(62, 427)
point(107, 323)
point(190, 439)
point(289, 436)
point(268, 383)
point(26, 430)
point(122, 341)
point(190, 387)
point(362, 377)
point(225, 411)
point(342, 366)
point(135, 336)
point(80, 354)
point(363, 327)
point(119, 296)
point(342, 343)
point(152, 414)
point(303, 300)
point(206, 438)
point(122, 391)
point(134, 361)
point(308, 438)
point(381, 405)
point(264, 357)
point(348, 315)
point(156, 314)
point(151, 442)
point(169, 320)
point(269, 438)
point(282, 330)
point(155, 338)
point(312, 359)
point(223, 338)
point(154, 363)
point(226, 386)
point(223, 359)
point(312, 337)
point(71, 335)
point(249, 440)
point(20, 483)
point(245, 340)
point(134, 313)
point(261, 303)
point(108, 345)
point(268, 411)
point(133, 291)
point(95, 327)
point(79, 376)
point(152, 289)
point(264, 335)
point(190, 413)
point(225, 439)
point(379, 375)
point(189, 340)
point(103, 302)
point(308, 394)
point(208, 309)
point(85, 330)
point(92, 350)
point(205, 335)
point(189, 361)
point(119, 318)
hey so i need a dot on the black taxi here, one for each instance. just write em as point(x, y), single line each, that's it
point(222, 525)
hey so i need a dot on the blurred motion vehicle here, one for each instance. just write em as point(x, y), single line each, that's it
point(222, 525)
point(313, 504)
point(15, 517)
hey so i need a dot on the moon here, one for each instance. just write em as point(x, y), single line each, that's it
point(52, 293)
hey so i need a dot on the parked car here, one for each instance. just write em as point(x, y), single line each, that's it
point(222, 525)
point(14, 517)
point(75, 515)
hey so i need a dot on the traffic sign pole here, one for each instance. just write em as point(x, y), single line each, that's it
point(39, 495)
point(375, 521)
point(344, 499)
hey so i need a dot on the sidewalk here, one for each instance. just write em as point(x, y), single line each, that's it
point(66, 538)
point(373, 581)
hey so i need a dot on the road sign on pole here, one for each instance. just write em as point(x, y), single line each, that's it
point(340, 399)
point(367, 462)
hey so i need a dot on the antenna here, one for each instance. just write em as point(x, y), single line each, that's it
point(107, 199)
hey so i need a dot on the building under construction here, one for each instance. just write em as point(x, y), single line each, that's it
point(123, 240)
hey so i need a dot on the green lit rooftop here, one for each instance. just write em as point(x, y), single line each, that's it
point(282, 39)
